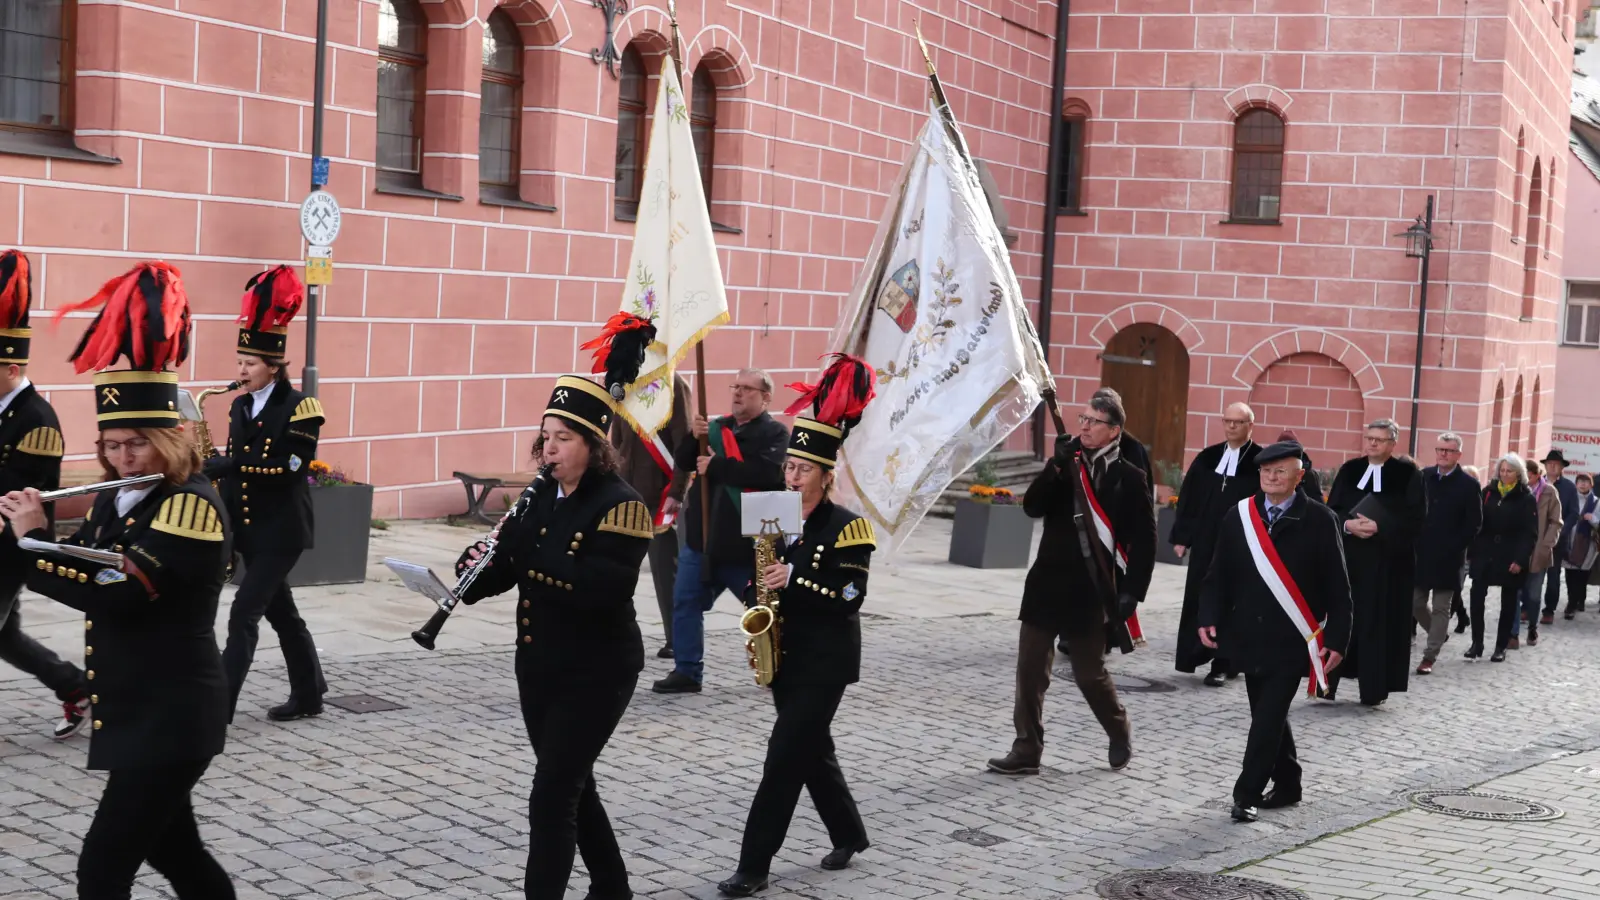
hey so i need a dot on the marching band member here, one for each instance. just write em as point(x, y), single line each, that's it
point(160, 699)
point(820, 643)
point(1276, 602)
point(30, 456)
point(573, 550)
point(272, 439)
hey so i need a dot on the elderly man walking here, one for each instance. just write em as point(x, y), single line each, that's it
point(1455, 513)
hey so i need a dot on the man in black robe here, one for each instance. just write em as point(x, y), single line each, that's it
point(1220, 476)
point(1380, 500)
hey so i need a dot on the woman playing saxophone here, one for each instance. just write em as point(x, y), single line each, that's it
point(820, 577)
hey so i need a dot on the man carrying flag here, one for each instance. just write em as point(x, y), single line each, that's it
point(1277, 604)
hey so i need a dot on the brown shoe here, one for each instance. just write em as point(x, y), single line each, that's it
point(1013, 764)
point(1547, 619)
point(1513, 644)
point(1426, 668)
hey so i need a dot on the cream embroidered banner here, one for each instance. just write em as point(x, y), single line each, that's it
point(674, 278)
point(938, 312)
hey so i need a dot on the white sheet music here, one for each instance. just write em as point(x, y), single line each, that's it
point(421, 580)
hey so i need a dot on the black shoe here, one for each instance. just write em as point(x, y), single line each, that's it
point(1061, 646)
point(839, 857)
point(1329, 694)
point(294, 709)
point(1243, 813)
point(676, 683)
point(1499, 656)
point(1012, 764)
point(1569, 614)
point(1462, 625)
point(664, 652)
point(1278, 798)
point(1474, 652)
point(743, 884)
point(1119, 756)
point(1214, 679)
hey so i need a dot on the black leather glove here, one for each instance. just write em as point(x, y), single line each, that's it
point(218, 467)
point(1127, 605)
point(465, 562)
point(1063, 448)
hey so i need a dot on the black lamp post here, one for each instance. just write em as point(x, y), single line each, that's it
point(1419, 245)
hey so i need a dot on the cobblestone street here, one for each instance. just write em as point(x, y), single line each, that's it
point(431, 799)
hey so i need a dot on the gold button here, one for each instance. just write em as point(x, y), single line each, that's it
point(247, 449)
point(87, 624)
point(532, 574)
point(89, 674)
point(527, 639)
point(96, 724)
point(574, 545)
point(247, 521)
point(83, 578)
point(578, 536)
point(247, 510)
point(88, 651)
point(39, 563)
point(541, 532)
point(526, 604)
point(245, 497)
point(244, 484)
point(569, 587)
point(94, 698)
point(524, 621)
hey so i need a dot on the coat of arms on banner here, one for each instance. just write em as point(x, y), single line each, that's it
point(899, 296)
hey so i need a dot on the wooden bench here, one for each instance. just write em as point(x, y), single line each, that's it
point(479, 485)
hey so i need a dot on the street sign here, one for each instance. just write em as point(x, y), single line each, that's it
point(319, 218)
point(319, 171)
point(319, 250)
point(319, 270)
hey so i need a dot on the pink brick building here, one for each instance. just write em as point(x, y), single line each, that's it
point(485, 163)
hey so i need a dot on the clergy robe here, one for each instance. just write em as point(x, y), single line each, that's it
point(1382, 570)
point(1202, 500)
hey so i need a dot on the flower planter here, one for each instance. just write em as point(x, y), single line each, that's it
point(343, 515)
point(1165, 516)
point(990, 536)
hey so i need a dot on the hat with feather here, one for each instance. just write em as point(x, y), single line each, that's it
point(271, 299)
point(837, 402)
point(144, 318)
point(620, 349)
point(16, 295)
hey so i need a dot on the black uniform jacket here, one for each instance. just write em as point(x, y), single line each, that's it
point(1253, 631)
point(575, 564)
point(30, 456)
point(1455, 512)
point(1510, 531)
point(1059, 594)
point(268, 497)
point(158, 689)
point(763, 442)
point(819, 629)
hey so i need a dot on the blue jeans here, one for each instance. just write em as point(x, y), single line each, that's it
point(692, 597)
point(1531, 601)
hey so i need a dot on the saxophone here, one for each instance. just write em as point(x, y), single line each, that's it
point(202, 431)
point(760, 622)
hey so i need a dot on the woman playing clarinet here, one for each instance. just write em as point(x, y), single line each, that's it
point(573, 552)
point(159, 699)
point(821, 580)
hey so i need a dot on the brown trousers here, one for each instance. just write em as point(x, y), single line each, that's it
point(1036, 651)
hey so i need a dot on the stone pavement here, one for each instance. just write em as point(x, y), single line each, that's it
point(430, 799)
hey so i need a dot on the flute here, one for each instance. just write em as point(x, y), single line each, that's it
point(103, 557)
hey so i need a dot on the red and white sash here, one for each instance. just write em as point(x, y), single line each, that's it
point(663, 457)
point(1278, 580)
point(1102, 524)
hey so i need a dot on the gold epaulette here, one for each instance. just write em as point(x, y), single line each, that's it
point(309, 408)
point(631, 518)
point(858, 533)
point(188, 516)
point(42, 441)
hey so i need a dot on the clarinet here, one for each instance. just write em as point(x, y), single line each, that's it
point(428, 632)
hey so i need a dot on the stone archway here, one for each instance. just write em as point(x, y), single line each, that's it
point(1518, 421)
point(1497, 427)
point(1316, 396)
point(1149, 366)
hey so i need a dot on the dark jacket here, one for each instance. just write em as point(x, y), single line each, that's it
point(763, 442)
point(159, 693)
point(1060, 593)
point(635, 463)
point(1311, 485)
point(1455, 512)
point(1510, 529)
point(820, 624)
point(1567, 490)
point(264, 475)
point(575, 565)
point(30, 456)
point(1253, 631)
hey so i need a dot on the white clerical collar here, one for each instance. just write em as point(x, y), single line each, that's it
point(561, 492)
point(5, 402)
point(129, 497)
point(1374, 475)
point(258, 399)
point(1229, 464)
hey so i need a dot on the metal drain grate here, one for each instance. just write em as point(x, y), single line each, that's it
point(1484, 805)
point(977, 837)
point(362, 703)
point(1190, 886)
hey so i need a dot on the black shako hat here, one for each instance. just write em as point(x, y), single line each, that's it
point(16, 295)
point(1280, 450)
point(579, 400)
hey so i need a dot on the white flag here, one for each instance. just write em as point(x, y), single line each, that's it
point(674, 278)
point(938, 312)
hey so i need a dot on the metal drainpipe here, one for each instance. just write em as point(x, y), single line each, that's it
point(1052, 189)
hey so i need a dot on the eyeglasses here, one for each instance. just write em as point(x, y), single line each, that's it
point(136, 445)
point(1379, 440)
point(1091, 420)
point(1446, 450)
point(746, 388)
point(1235, 422)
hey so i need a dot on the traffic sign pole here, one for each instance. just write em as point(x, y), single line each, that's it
point(308, 374)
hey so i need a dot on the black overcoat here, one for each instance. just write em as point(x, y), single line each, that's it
point(1455, 511)
point(1510, 531)
point(264, 481)
point(1202, 501)
point(30, 456)
point(763, 442)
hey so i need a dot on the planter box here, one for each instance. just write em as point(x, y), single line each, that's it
point(1165, 516)
point(343, 516)
point(986, 536)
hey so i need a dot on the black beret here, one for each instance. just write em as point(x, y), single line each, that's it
point(1280, 450)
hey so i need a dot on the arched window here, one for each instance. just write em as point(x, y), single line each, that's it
point(402, 67)
point(1516, 183)
point(1257, 166)
point(703, 123)
point(36, 67)
point(1530, 240)
point(630, 132)
point(1069, 193)
point(500, 112)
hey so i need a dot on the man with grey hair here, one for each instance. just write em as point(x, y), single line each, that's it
point(1220, 476)
point(1381, 505)
point(1455, 513)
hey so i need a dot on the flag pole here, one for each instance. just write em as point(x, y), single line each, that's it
point(700, 345)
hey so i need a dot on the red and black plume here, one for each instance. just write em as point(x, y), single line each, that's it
point(839, 399)
point(619, 350)
point(16, 289)
point(271, 299)
point(144, 316)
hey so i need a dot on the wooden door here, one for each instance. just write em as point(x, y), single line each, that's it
point(1149, 367)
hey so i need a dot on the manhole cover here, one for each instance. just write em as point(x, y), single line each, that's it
point(1482, 805)
point(362, 703)
point(977, 837)
point(1190, 886)
point(1133, 684)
